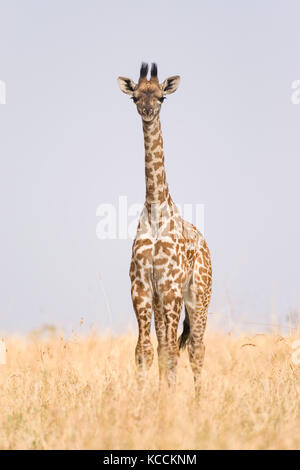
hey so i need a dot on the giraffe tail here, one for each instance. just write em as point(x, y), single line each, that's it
point(183, 338)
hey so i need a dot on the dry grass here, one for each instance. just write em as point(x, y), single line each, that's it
point(81, 394)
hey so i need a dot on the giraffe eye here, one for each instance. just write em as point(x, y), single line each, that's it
point(162, 99)
point(134, 99)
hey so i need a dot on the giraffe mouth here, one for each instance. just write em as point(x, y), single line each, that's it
point(149, 118)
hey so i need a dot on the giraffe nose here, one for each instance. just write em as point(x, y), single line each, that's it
point(147, 111)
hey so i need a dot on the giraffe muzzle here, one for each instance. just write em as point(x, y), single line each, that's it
point(147, 111)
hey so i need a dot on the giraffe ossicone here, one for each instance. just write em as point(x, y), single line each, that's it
point(170, 259)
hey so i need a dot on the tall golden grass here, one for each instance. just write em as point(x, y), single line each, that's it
point(81, 393)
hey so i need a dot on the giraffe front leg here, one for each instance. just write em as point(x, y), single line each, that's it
point(172, 306)
point(162, 347)
point(142, 303)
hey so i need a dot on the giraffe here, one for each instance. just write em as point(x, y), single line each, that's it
point(170, 262)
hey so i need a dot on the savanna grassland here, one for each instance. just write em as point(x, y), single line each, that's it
point(81, 393)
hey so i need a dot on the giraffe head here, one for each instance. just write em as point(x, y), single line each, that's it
point(148, 95)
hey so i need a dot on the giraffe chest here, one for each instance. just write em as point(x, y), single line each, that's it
point(162, 251)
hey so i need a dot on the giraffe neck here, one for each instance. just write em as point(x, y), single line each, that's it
point(157, 191)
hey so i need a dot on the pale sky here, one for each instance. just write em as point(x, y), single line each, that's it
point(70, 141)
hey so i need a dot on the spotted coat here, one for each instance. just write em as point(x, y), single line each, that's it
point(170, 259)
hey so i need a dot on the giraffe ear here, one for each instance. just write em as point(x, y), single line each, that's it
point(170, 84)
point(127, 86)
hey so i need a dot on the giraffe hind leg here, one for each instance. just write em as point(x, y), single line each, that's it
point(196, 350)
point(196, 304)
